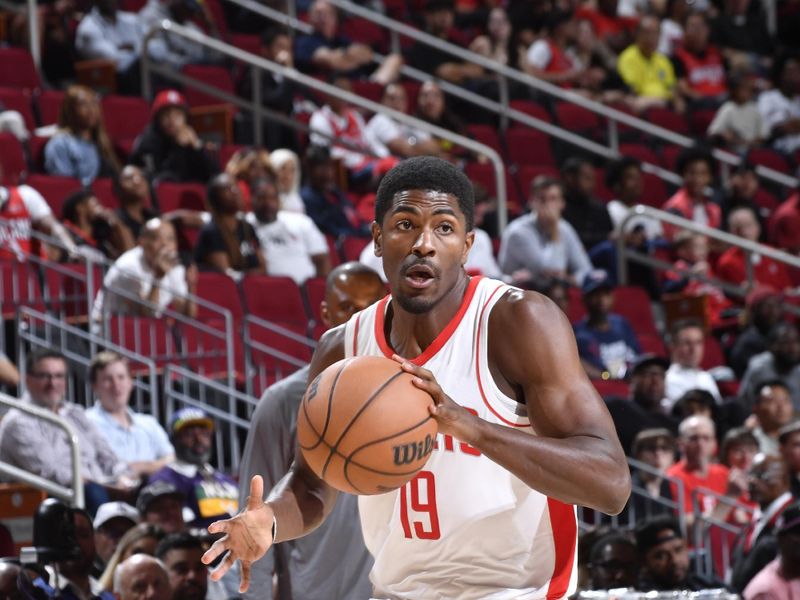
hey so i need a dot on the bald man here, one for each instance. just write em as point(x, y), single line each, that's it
point(142, 577)
point(332, 562)
point(150, 272)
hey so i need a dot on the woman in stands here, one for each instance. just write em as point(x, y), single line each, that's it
point(246, 166)
point(286, 165)
point(142, 539)
point(81, 148)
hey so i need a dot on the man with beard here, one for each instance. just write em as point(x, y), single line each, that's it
point(207, 492)
point(77, 581)
point(188, 576)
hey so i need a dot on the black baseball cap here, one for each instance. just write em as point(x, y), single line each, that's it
point(154, 491)
point(645, 360)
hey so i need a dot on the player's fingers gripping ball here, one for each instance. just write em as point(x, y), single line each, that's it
point(364, 427)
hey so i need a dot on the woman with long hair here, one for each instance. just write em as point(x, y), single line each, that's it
point(286, 166)
point(141, 539)
point(81, 147)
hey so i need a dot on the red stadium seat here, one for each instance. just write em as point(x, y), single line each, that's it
point(205, 350)
point(352, 247)
point(125, 118)
point(611, 388)
point(216, 77)
point(20, 101)
point(654, 191)
point(484, 175)
point(36, 146)
point(49, 102)
point(668, 119)
point(18, 71)
point(600, 189)
point(485, 134)
point(368, 90)
point(221, 290)
point(315, 294)
point(669, 156)
point(248, 43)
point(172, 196)
point(67, 290)
point(275, 299)
point(333, 250)
point(699, 122)
point(412, 91)
point(578, 119)
point(768, 158)
point(103, 187)
point(529, 108)
point(273, 354)
point(713, 356)
point(12, 159)
point(149, 336)
point(640, 152)
point(633, 303)
point(55, 189)
point(652, 344)
point(529, 147)
point(527, 173)
point(19, 286)
point(365, 32)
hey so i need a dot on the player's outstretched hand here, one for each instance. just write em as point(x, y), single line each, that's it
point(247, 537)
point(452, 418)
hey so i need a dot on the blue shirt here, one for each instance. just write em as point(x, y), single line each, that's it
point(306, 45)
point(144, 440)
point(71, 156)
point(612, 350)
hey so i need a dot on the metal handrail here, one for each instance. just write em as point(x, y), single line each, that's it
point(676, 481)
point(73, 495)
point(624, 253)
point(168, 27)
point(613, 115)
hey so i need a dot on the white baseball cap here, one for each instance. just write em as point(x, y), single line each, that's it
point(113, 510)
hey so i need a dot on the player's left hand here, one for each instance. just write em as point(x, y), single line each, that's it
point(453, 419)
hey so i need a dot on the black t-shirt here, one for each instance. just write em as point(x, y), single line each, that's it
point(630, 418)
point(590, 220)
point(212, 240)
point(134, 225)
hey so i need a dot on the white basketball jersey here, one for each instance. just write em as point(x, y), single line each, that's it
point(464, 527)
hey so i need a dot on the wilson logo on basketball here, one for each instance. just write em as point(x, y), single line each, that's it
point(406, 454)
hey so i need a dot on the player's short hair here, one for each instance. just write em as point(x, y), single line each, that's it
point(34, 358)
point(352, 268)
point(178, 541)
point(617, 168)
point(103, 360)
point(426, 173)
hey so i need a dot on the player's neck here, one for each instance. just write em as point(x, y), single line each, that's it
point(409, 334)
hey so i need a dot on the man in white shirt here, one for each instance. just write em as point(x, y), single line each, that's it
point(108, 33)
point(149, 272)
point(398, 138)
point(292, 243)
point(687, 344)
point(780, 107)
point(624, 178)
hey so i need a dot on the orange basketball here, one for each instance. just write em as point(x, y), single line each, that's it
point(363, 427)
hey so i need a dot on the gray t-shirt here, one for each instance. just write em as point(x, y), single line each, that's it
point(331, 563)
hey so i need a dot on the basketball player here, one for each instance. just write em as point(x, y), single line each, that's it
point(523, 436)
point(331, 563)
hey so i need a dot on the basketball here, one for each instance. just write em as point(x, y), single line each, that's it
point(363, 427)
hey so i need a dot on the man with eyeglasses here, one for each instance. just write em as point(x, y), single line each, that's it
point(41, 448)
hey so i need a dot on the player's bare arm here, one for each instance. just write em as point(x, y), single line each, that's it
point(297, 505)
point(576, 456)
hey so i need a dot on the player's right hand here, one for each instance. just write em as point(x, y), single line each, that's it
point(247, 537)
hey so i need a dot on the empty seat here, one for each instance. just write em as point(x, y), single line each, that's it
point(125, 118)
point(485, 134)
point(275, 299)
point(206, 348)
point(529, 147)
point(654, 192)
point(365, 32)
point(527, 173)
point(353, 246)
point(148, 336)
point(633, 303)
point(668, 119)
point(273, 352)
point(18, 100)
point(770, 158)
point(713, 356)
point(55, 189)
point(578, 119)
point(217, 77)
point(640, 152)
point(17, 70)
point(103, 187)
point(70, 293)
point(189, 196)
point(12, 159)
point(221, 290)
point(315, 294)
point(49, 102)
point(530, 108)
point(247, 42)
point(19, 286)
point(368, 90)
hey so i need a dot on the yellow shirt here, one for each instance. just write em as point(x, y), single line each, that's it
point(652, 78)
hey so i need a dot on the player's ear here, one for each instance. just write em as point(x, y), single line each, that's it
point(468, 241)
point(377, 238)
point(325, 314)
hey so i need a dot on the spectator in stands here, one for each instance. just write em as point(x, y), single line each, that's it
point(743, 36)
point(327, 205)
point(23, 209)
point(188, 576)
point(148, 274)
point(9, 375)
point(731, 267)
point(665, 558)
point(675, 14)
point(11, 121)
point(77, 580)
point(772, 406)
point(780, 106)
point(169, 149)
point(96, 230)
point(789, 439)
point(337, 120)
point(784, 225)
point(548, 59)
point(81, 147)
point(207, 492)
point(606, 342)
point(495, 44)
point(613, 562)
point(600, 80)
point(781, 361)
point(399, 139)
point(781, 577)
point(137, 438)
point(296, 248)
point(161, 505)
point(303, 565)
point(694, 402)
point(647, 72)
point(135, 203)
point(642, 410)
point(739, 449)
point(699, 66)
point(587, 215)
point(173, 50)
point(738, 125)
point(141, 539)
point(768, 481)
point(613, 27)
point(112, 34)
point(228, 243)
point(697, 442)
point(542, 242)
point(744, 189)
point(687, 346)
point(693, 201)
point(655, 448)
point(111, 522)
point(39, 447)
point(286, 166)
point(277, 92)
point(432, 107)
point(624, 178)
point(325, 50)
point(764, 311)
point(246, 166)
point(142, 577)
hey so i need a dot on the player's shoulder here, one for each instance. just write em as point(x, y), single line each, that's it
point(523, 308)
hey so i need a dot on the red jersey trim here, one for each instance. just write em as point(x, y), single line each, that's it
point(565, 536)
point(355, 334)
point(478, 365)
point(440, 340)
